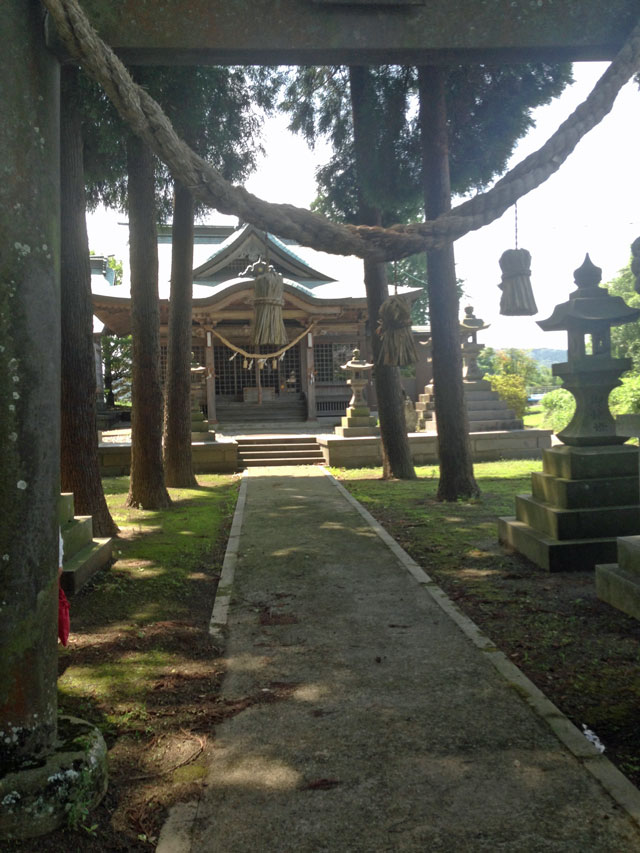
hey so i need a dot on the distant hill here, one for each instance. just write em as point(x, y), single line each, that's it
point(546, 357)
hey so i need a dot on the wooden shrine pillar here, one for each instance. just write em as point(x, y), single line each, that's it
point(211, 378)
point(309, 374)
point(29, 386)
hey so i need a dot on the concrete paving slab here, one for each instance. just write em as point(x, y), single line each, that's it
point(380, 718)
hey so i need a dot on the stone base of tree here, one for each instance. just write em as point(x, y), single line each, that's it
point(62, 791)
point(584, 498)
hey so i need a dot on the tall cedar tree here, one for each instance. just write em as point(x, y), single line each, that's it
point(454, 451)
point(146, 486)
point(178, 467)
point(219, 122)
point(396, 455)
point(214, 108)
point(489, 110)
point(79, 467)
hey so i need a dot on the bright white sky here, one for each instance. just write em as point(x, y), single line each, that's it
point(592, 204)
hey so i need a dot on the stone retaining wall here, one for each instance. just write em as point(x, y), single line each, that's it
point(219, 457)
point(485, 446)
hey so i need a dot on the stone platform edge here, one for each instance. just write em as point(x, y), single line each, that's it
point(362, 452)
point(175, 836)
point(221, 456)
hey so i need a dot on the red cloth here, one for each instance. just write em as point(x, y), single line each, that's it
point(63, 617)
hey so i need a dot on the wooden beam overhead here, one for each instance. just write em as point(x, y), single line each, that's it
point(359, 31)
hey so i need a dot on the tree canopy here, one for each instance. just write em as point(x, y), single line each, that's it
point(216, 109)
point(489, 109)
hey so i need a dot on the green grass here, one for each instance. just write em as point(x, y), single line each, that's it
point(534, 418)
point(166, 563)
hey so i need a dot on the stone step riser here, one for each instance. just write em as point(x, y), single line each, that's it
point(281, 451)
point(76, 535)
point(272, 463)
point(494, 426)
point(280, 441)
point(629, 554)
point(65, 508)
point(590, 463)
point(576, 494)
point(555, 556)
point(88, 560)
point(261, 454)
point(564, 524)
point(619, 587)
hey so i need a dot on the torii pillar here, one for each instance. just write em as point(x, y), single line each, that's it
point(30, 751)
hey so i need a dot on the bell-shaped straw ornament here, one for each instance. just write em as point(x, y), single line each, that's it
point(268, 302)
point(517, 294)
point(397, 347)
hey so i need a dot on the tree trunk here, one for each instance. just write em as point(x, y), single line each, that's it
point(396, 453)
point(147, 487)
point(178, 470)
point(456, 468)
point(79, 467)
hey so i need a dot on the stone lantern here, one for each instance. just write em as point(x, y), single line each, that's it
point(199, 426)
point(590, 375)
point(358, 420)
point(471, 349)
point(586, 495)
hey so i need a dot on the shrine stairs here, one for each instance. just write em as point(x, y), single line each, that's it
point(264, 450)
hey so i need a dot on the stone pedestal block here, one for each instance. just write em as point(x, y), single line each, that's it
point(357, 422)
point(619, 583)
point(584, 499)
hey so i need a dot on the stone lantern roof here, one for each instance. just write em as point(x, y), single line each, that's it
point(589, 305)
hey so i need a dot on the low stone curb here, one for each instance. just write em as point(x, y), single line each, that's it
point(625, 794)
point(220, 613)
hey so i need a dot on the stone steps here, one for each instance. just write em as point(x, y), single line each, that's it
point(84, 555)
point(268, 411)
point(279, 450)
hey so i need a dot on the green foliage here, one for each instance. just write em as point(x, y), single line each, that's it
point(558, 408)
point(625, 400)
point(489, 109)
point(117, 358)
point(516, 362)
point(625, 340)
point(512, 389)
point(213, 108)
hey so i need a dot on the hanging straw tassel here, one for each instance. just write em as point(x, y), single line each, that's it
point(517, 294)
point(268, 302)
point(394, 327)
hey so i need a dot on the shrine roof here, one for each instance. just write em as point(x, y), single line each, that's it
point(250, 242)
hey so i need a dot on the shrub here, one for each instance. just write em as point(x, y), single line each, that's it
point(512, 390)
point(558, 408)
point(625, 400)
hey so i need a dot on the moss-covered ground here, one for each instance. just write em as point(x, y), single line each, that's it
point(584, 654)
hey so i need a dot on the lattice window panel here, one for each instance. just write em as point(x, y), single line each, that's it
point(198, 357)
point(232, 376)
point(328, 359)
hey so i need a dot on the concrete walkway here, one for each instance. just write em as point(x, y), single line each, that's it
point(379, 718)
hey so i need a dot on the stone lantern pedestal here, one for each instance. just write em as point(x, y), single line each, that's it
point(358, 420)
point(587, 493)
point(200, 430)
